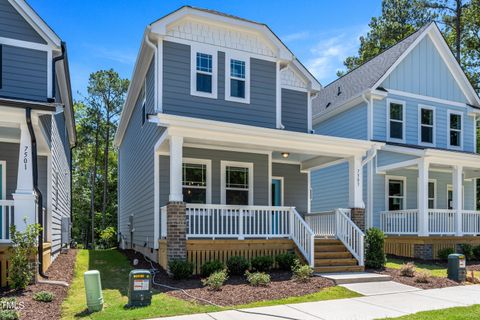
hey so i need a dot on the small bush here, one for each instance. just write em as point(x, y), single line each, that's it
point(237, 265)
point(258, 279)
point(467, 250)
point(211, 267)
point(301, 272)
point(262, 263)
point(408, 269)
point(286, 261)
point(374, 249)
point(108, 238)
point(216, 280)
point(44, 296)
point(180, 269)
point(476, 252)
point(422, 277)
point(9, 315)
point(444, 253)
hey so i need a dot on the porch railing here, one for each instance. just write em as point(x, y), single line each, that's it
point(7, 211)
point(303, 236)
point(350, 235)
point(322, 223)
point(399, 221)
point(441, 221)
point(471, 222)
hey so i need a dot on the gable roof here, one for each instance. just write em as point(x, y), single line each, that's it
point(372, 73)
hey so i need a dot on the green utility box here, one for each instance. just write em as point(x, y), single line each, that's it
point(139, 288)
point(457, 270)
point(93, 290)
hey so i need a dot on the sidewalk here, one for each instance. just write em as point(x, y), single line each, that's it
point(373, 306)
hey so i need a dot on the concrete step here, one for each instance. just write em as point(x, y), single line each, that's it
point(334, 255)
point(335, 262)
point(331, 248)
point(329, 269)
point(355, 277)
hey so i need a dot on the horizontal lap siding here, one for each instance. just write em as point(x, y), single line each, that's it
point(330, 188)
point(177, 99)
point(295, 185)
point(9, 153)
point(351, 123)
point(294, 110)
point(136, 171)
point(13, 25)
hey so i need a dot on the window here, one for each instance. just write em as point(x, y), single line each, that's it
point(427, 125)
point(204, 73)
point(237, 78)
point(196, 181)
point(396, 120)
point(431, 195)
point(455, 126)
point(396, 199)
point(144, 114)
point(237, 183)
point(450, 196)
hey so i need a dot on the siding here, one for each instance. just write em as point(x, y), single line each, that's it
point(42, 178)
point(386, 157)
point(177, 99)
point(13, 25)
point(24, 73)
point(424, 72)
point(330, 187)
point(9, 153)
point(294, 110)
point(136, 172)
point(295, 185)
point(351, 123)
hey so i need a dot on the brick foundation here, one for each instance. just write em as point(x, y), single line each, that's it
point(423, 251)
point(358, 217)
point(176, 231)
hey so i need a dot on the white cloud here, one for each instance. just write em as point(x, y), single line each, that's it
point(295, 36)
point(116, 55)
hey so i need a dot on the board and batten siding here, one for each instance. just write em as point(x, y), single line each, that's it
point(295, 110)
point(136, 171)
point(295, 188)
point(14, 26)
point(177, 99)
point(351, 123)
point(9, 152)
point(330, 187)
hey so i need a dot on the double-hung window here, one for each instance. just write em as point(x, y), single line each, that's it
point(426, 125)
point(237, 183)
point(432, 194)
point(455, 127)
point(196, 181)
point(396, 198)
point(204, 73)
point(396, 120)
point(237, 78)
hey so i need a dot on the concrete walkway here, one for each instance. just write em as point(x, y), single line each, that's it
point(373, 306)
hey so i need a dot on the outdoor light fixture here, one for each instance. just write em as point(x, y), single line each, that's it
point(285, 154)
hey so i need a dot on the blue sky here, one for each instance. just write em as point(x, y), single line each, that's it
point(106, 34)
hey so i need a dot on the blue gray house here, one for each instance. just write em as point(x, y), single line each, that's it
point(37, 132)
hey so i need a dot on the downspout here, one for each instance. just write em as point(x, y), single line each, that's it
point(155, 49)
point(54, 61)
point(33, 141)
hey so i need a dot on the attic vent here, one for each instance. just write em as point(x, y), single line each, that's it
point(339, 91)
point(328, 105)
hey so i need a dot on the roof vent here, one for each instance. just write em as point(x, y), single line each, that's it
point(339, 91)
point(328, 105)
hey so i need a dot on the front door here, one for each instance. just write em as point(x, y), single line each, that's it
point(277, 200)
point(2, 194)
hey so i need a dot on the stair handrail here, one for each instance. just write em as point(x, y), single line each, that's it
point(351, 236)
point(303, 236)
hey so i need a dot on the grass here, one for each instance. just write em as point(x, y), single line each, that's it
point(458, 313)
point(114, 269)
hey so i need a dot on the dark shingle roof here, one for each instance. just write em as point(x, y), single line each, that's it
point(361, 78)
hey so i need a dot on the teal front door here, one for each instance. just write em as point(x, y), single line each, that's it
point(276, 201)
point(2, 188)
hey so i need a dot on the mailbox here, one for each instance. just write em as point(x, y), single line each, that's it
point(139, 288)
point(457, 270)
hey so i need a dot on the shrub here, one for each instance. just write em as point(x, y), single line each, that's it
point(23, 249)
point(408, 269)
point(467, 250)
point(180, 269)
point(108, 237)
point(374, 249)
point(422, 277)
point(301, 272)
point(216, 280)
point(258, 279)
point(286, 261)
point(476, 252)
point(443, 253)
point(212, 266)
point(237, 265)
point(9, 315)
point(44, 296)
point(262, 263)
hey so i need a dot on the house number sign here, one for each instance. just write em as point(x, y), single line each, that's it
point(25, 157)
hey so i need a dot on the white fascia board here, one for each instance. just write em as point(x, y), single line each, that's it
point(300, 69)
point(398, 165)
point(404, 150)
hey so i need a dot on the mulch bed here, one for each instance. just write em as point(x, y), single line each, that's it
point(236, 291)
point(60, 269)
point(433, 282)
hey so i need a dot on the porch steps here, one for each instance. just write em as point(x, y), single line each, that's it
point(332, 256)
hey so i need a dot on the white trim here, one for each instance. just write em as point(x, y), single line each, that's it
point(462, 129)
point(282, 189)
point(369, 204)
point(278, 96)
point(194, 49)
point(159, 78)
point(156, 188)
point(3, 163)
point(210, 147)
point(229, 55)
point(370, 118)
point(208, 164)
point(223, 167)
point(450, 188)
point(404, 113)
point(309, 190)
point(435, 198)
point(286, 161)
point(398, 165)
point(426, 98)
point(309, 111)
point(420, 125)
point(25, 44)
point(10, 140)
point(270, 170)
point(387, 193)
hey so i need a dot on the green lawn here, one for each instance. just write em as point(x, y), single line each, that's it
point(459, 313)
point(436, 270)
point(114, 269)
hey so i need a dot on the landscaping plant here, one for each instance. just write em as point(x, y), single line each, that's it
point(286, 261)
point(23, 249)
point(467, 250)
point(301, 272)
point(44, 296)
point(262, 263)
point(422, 277)
point(7, 309)
point(258, 279)
point(374, 249)
point(108, 238)
point(9, 315)
point(180, 269)
point(237, 265)
point(476, 252)
point(444, 253)
point(408, 269)
point(216, 280)
point(212, 266)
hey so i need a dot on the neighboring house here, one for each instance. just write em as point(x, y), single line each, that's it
point(216, 148)
point(421, 187)
point(37, 131)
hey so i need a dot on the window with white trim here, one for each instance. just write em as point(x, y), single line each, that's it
point(455, 127)
point(237, 183)
point(396, 120)
point(396, 194)
point(204, 72)
point(427, 125)
point(194, 182)
point(237, 78)
point(431, 194)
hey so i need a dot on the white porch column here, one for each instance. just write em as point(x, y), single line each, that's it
point(176, 155)
point(457, 184)
point(422, 196)
point(24, 195)
point(355, 176)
